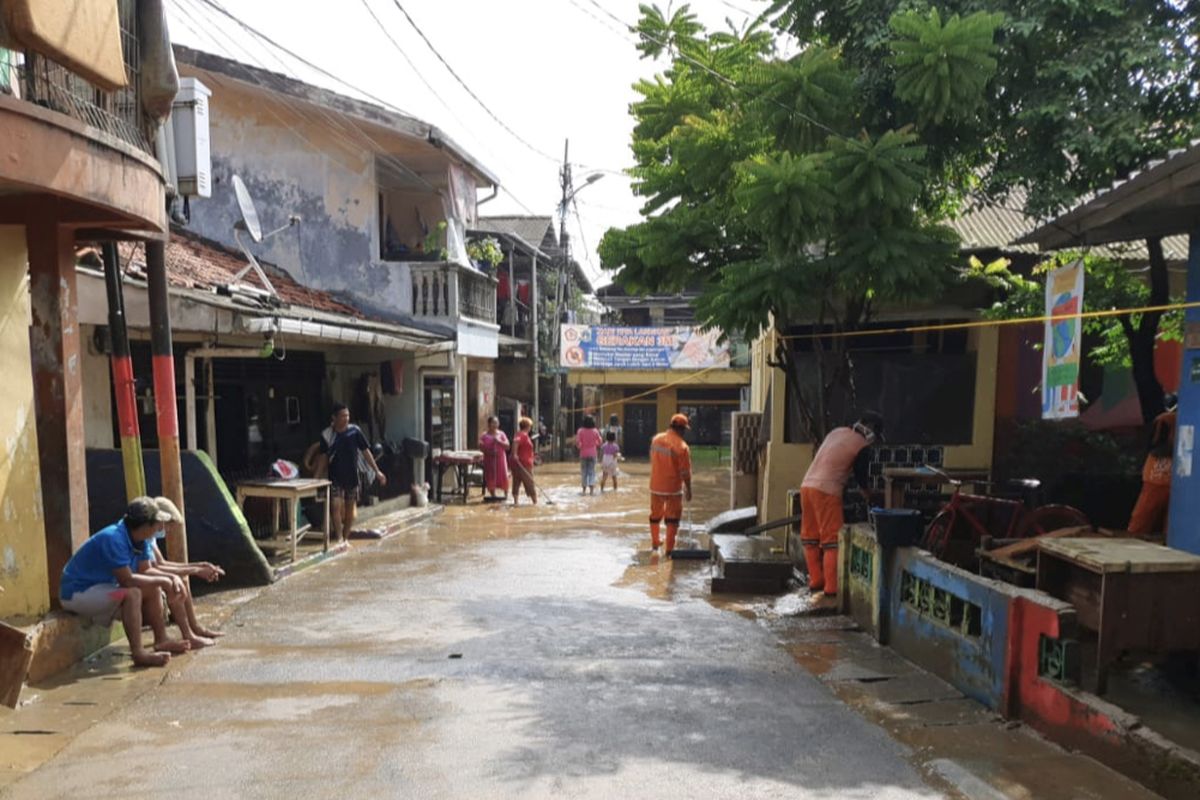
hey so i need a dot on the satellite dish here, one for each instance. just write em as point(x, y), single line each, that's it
point(249, 220)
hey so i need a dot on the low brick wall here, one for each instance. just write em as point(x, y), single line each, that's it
point(950, 622)
point(862, 579)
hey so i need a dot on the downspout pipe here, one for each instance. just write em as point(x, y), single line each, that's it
point(122, 376)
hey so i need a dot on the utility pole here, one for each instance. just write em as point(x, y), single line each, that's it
point(163, 364)
point(559, 297)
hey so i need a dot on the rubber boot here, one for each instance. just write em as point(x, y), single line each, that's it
point(829, 555)
point(654, 537)
point(672, 530)
point(816, 572)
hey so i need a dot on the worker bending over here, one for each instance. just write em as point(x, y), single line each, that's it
point(670, 480)
point(1150, 514)
point(845, 451)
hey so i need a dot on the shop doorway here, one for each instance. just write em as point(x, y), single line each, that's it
point(439, 412)
point(641, 421)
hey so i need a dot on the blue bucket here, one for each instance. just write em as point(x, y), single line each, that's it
point(897, 527)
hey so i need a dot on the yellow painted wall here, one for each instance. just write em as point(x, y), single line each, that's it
point(22, 535)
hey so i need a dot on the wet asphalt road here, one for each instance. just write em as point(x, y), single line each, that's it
point(491, 653)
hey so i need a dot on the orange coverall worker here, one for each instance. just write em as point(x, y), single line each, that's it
point(1150, 513)
point(670, 470)
point(821, 512)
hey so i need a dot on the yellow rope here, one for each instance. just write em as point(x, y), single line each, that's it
point(988, 323)
point(949, 326)
point(685, 379)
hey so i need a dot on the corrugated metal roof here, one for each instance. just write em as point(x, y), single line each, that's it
point(1000, 224)
point(538, 231)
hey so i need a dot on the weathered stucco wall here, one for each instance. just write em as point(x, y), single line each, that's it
point(22, 535)
point(97, 393)
point(300, 163)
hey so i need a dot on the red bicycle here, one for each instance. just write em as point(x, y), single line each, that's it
point(957, 532)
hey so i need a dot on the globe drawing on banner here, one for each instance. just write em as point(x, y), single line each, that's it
point(1062, 345)
point(1064, 331)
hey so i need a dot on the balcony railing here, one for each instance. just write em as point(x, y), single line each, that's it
point(447, 291)
point(45, 82)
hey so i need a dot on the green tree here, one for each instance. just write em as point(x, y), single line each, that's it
point(773, 184)
point(1083, 94)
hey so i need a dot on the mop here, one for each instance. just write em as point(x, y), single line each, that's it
point(687, 546)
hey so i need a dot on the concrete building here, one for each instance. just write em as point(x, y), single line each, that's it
point(384, 202)
point(645, 399)
point(527, 305)
point(81, 98)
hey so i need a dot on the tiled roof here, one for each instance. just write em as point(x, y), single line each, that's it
point(197, 263)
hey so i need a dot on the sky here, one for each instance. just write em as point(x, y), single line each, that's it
point(550, 70)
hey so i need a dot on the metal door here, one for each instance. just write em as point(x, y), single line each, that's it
point(641, 419)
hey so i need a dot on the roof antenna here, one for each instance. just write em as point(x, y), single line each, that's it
point(249, 223)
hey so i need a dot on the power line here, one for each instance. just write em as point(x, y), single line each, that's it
point(532, 148)
point(255, 32)
point(375, 146)
point(412, 65)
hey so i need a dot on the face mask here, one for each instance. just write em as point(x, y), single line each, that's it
point(866, 432)
point(161, 533)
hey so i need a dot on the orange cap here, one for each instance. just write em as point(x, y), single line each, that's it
point(680, 421)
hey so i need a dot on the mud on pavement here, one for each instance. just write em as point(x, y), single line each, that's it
point(530, 652)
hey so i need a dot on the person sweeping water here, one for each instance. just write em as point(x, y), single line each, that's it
point(670, 480)
point(520, 462)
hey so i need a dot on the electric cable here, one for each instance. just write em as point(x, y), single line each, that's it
point(532, 148)
point(437, 95)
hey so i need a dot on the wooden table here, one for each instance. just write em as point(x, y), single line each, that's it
point(288, 493)
point(461, 461)
point(1133, 594)
point(895, 478)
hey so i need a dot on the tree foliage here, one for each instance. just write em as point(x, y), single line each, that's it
point(1084, 91)
point(769, 182)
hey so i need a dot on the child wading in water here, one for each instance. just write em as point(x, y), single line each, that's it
point(587, 442)
point(610, 454)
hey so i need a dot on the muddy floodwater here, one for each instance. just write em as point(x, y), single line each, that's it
point(509, 652)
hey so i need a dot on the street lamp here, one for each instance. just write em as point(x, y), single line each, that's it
point(568, 194)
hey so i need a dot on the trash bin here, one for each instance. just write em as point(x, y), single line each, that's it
point(416, 450)
point(897, 527)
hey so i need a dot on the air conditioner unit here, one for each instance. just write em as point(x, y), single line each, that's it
point(189, 123)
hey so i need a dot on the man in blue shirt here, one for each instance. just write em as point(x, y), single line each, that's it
point(344, 444)
point(108, 574)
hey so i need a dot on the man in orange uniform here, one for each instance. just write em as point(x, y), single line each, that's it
point(1150, 514)
point(670, 480)
point(844, 451)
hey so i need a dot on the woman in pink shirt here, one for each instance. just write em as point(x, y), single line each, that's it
point(587, 442)
point(495, 446)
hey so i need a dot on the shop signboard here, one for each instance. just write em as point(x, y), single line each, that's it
point(607, 347)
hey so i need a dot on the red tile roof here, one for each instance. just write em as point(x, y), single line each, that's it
point(197, 263)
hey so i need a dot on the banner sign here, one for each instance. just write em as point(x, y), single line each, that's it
point(602, 347)
point(1063, 343)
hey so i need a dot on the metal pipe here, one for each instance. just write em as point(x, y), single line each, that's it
point(534, 311)
point(124, 388)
